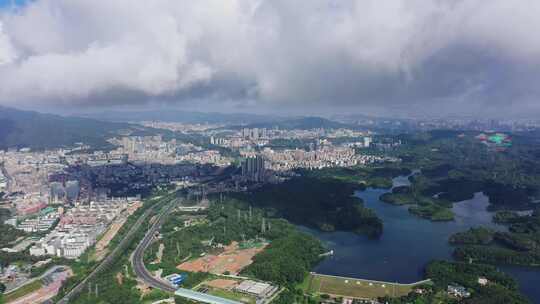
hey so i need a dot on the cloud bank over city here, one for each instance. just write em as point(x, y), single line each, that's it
point(435, 55)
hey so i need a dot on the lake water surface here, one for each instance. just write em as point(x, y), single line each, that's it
point(408, 243)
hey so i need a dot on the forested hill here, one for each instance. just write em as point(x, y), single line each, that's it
point(325, 204)
point(303, 123)
point(37, 131)
point(180, 116)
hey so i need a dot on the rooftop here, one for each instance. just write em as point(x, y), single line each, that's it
point(202, 297)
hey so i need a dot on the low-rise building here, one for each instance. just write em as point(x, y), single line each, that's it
point(39, 224)
point(483, 281)
point(257, 289)
point(79, 227)
point(458, 291)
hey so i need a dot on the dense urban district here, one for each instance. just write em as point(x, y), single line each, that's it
point(220, 212)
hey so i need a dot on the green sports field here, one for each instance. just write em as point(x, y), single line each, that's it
point(355, 288)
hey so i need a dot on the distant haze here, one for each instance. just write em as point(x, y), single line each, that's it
point(397, 56)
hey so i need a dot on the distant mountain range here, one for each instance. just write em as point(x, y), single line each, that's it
point(236, 120)
point(181, 117)
point(301, 123)
point(35, 130)
point(20, 129)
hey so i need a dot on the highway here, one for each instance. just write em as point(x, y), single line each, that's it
point(111, 257)
point(137, 258)
point(143, 274)
point(138, 255)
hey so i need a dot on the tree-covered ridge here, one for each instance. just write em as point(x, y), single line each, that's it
point(473, 236)
point(9, 234)
point(520, 245)
point(376, 177)
point(444, 273)
point(287, 260)
point(499, 289)
point(455, 165)
point(423, 205)
point(322, 203)
point(38, 131)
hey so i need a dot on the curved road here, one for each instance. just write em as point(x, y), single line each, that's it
point(137, 258)
point(138, 255)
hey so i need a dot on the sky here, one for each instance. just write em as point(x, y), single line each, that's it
point(412, 57)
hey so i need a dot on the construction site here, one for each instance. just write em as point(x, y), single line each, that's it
point(232, 260)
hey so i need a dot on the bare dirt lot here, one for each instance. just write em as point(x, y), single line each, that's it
point(101, 245)
point(222, 283)
point(232, 259)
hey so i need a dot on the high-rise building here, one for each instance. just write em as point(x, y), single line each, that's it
point(254, 133)
point(253, 168)
point(57, 192)
point(72, 190)
point(128, 144)
point(245, 133)
point(367, 141)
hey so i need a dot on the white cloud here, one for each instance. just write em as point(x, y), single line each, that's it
point(328, 52)
point(7, 52)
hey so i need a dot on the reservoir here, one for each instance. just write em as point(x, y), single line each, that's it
point(408, 243)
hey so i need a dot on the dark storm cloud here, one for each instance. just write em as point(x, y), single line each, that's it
point(408, 54)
